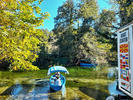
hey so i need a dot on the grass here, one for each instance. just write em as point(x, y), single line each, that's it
point(87, 72)
point(73, 72)
point(32, 74)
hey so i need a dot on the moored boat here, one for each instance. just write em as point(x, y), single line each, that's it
point(87, 65)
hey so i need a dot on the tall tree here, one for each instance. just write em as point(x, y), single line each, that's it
point(91, 48)
point(91, 39)
point(66, 16)
point(19, 37)
point(64, 28)
point(69, 41)
point(124, 11)
point(104, 29)
point(88, 12)
point(105, 23)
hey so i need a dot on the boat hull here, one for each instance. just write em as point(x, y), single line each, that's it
point(56, 87)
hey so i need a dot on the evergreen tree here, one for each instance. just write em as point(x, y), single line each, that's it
point(65, 17)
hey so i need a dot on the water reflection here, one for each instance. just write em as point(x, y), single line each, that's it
point(112, 72)
point(94, 93)
point(63, 91)
point(77, 89)
point(113, 89)
point(39, 90)
point(28, 91)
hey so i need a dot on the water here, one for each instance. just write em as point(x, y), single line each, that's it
point(113, 89)
point(76, 89)
point(38, 90)
point(113, 72)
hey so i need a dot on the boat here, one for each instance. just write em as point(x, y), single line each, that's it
point(87, 64)
point(55, 69)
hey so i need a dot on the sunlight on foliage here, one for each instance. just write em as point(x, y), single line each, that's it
point(19, 42)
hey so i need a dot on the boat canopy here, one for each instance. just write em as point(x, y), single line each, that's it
point(57, 69)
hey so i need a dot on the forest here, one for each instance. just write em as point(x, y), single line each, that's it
point(81, 31)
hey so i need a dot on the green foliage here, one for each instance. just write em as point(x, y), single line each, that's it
point(88, 8)
point(125, 11)
point(19, 37)
point(68, 37)
point(84, 34)
point(104, 25)
point(124, 14)
point(47, 50)
point(91, 47)
point(66, 16)
point(104, 28)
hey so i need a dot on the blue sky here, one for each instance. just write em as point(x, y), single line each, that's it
point(51, 6)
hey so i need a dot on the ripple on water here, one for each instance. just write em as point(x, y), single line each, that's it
point(38, 90)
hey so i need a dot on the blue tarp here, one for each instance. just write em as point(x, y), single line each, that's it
point(57, 69)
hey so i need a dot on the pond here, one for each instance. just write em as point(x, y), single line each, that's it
point(77, 88)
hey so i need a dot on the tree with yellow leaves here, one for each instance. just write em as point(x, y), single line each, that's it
point(19, 36)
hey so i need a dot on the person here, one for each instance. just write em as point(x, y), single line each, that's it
point(57, 74)
point(53, 79)
point(50, 66)
point(58, 81)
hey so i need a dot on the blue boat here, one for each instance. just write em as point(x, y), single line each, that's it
point(55, 69)
point(87, 65)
